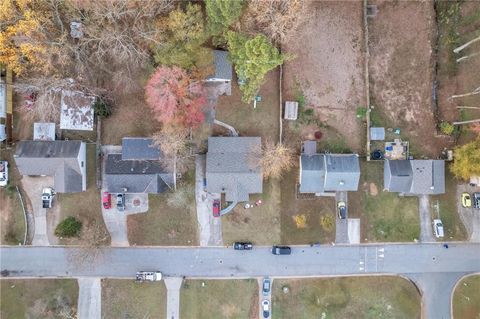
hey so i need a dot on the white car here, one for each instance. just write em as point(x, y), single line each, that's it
point(3, 173)
point(266, 308)
point(142, 276)
point(438, 228)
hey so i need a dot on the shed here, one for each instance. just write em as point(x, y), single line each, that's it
point(291, 110)
point(309, 148)
point(377, 133)
point(44, 131)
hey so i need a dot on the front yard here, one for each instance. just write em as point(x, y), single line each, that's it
point(466, 298)
point(219, 299)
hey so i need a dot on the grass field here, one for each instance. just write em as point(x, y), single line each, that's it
point(128, 299)
point(466, 299)
point(38, 298)
point(349, 297)
point(219, 299)
point(165, 224)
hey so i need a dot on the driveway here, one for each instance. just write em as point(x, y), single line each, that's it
point(173, 285)
point(426, 229)
point(210, 228)
point(89, 298)
point(469, 215)
point(261, 297)
point(341, 225)
point(33, 186)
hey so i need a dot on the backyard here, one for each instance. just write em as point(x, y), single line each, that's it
point(128, 299)
point(38, 298)
point(349, 297)
point(219, 299)
point(466, 299)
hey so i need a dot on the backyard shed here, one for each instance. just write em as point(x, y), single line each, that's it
point(44, 131)
point(377, 133)
point(291, 110)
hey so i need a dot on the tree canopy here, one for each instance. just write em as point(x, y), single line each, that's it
point(221, 14)
point(467, 160)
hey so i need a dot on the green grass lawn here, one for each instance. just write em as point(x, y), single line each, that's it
point(261, 224)
point(349, 297)
point(219, 299)
point(37, 298)
point(164, 223)
point(466, 299)
point(128, 299)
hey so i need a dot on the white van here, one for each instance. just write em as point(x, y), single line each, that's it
point(438, 228)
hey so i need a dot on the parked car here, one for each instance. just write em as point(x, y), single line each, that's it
point(466, 200)
point(148, 276)
point(266, 308)
point(281, 250)
point(121, 202)
point(438, 228)
point(3, 173)
point(342, 210)
point(107, 200)
point(47, 197)
point(216, 208)
point(266, 287)
point(242, 246)
point(476, 200)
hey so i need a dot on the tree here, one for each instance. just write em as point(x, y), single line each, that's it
point(253, 58)
point(173, 141)
point(467, 160)
point(276, 159)
point(221, 14)
point(447, 128)
point(174, 98)
point(184, 36)
point(69, 227)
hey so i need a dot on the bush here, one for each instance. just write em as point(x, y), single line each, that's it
point(69, 227)
point(102, 107)
point(326, 221)
point(447, 128)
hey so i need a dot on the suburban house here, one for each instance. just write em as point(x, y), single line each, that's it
point(233, 167)
point(223, 72)
point(414, 177)
point(322, 173)
point(64, 160)
point(137, 169)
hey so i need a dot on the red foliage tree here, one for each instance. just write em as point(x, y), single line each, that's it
point(174, 97)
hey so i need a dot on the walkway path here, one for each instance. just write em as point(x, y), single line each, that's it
point(232, 130)
point(173, 285)
point(89, 298)
point(426, 231)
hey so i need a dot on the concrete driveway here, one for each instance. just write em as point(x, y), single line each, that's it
point(210, 228)
point(470, 216)
point(89, 298)
point(33, 186)
point(261, 297)
point(426, 228)
point(341, 225)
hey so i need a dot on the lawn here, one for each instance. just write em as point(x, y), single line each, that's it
point(38, 298)
point(386, 217)
point(301, 218)
point(466, 298)
point(167, 223)
point(349, 297)
point(128, 299)
point(452, 224)
point(85, 206)
point(219, 299)
point(260, 225)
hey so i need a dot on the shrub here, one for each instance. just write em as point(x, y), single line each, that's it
point(326, 221)
point(447, 128)
point(69, 227)
point(102, 107)
point(300, 221)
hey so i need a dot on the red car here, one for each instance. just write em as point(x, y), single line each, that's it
point(107, 200)
point(216, 208)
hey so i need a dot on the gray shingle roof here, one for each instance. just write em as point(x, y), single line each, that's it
point(232, 167)
point(139, 148)
point(312, 173)
point(223, 67)
point(53, 158)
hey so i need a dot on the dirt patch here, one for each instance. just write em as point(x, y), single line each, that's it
point(373, 189)
point(401, 39)
point(328, 67)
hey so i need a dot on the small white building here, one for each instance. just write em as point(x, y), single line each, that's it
point(291, 110)
point(44, 131)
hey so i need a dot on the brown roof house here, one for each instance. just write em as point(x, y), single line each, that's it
point(64, 160)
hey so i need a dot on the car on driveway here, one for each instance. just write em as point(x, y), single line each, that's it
point(242, 246)
point(266, 308)
point(216, 208)
point(121, 202)
point(476, 200)
point(342, 210)
point(466, 200)
point(3, 173)
point(266, 287)
point(281, 250)
point(107, 200)
point(438, 228)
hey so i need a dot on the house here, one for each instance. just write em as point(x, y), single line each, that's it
point(64, 160)
point(321, 173)
point(137, 169)
point(233, 167)
point(414, 177)
point(223, 67)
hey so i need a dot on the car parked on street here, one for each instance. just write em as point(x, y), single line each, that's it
point(266, 308)
point(466, 200)
point(476, 200)
point(3, 173)
point(438, 228)
point(342, 210)
point(142, 276)
point(281, 250)
point(242, 246)
point(121, 202)
point(216, 208)
point(107, 200)
point(266, 287)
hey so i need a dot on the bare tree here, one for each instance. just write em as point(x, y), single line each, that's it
point(173, 141)
point(274, 159)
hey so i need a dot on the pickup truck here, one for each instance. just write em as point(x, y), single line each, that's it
point(148, 276)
